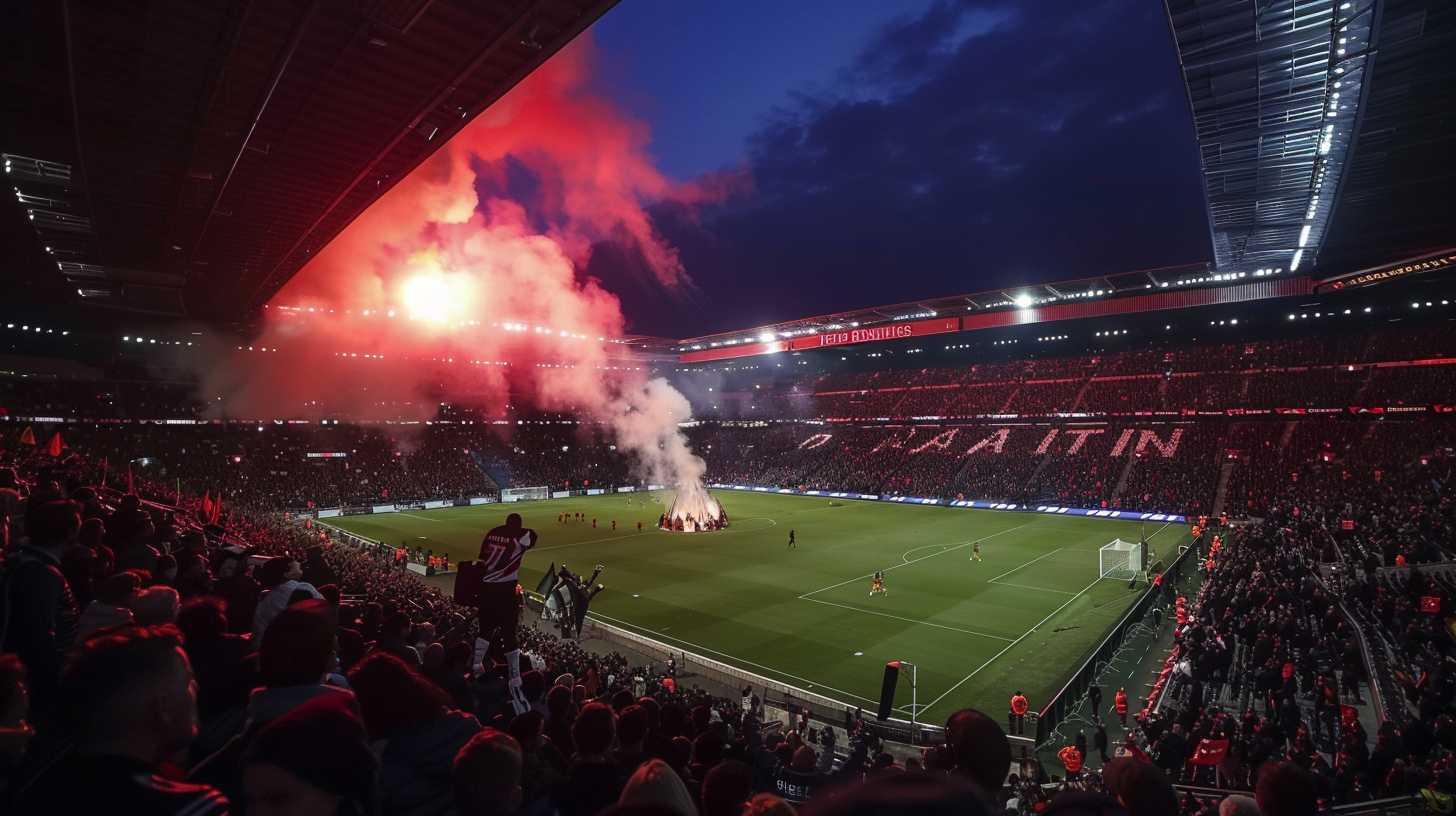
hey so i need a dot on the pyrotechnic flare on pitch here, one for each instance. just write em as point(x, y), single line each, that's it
point(694, 510)
point(501, 553)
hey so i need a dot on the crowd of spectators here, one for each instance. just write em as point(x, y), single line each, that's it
point(1268, 663)
point(155, 664)
point(1291, 373)
point(162, 663)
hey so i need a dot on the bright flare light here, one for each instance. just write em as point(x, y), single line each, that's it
point(1023, 300)
point(430, 297)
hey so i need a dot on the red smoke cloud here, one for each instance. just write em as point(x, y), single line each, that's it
point(430, 290)
point(594, 176)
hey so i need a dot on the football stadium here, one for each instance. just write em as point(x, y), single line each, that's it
point(542, 407)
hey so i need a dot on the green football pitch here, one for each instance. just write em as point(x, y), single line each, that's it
point(1022, 617)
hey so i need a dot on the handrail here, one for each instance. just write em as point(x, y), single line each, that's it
point(1051, 714)
point(1377, 694)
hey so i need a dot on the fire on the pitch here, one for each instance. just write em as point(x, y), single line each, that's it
point(694, 510)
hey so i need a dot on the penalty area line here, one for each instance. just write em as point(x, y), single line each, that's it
point(910, 620)
point(1029, 586)
point(421, 518)
point(1012, 644)
point(1024, 566)
point(1038, 625)
point(921, 558)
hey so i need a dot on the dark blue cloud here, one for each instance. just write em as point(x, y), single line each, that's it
point(974, 146)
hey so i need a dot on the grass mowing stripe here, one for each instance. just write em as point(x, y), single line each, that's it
point(1012, 645)
point(908, 620)
point(738, 595)
point(1023, 566)
point(656, 635)
point(1028, 633)
point(921, 558)
point(1028, 586)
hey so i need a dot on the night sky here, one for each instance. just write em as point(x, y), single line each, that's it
point(881, 152)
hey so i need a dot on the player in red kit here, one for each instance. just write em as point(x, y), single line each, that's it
point(501, 553)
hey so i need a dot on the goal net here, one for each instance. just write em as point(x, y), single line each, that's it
point(514, 494)
point(1120, 559)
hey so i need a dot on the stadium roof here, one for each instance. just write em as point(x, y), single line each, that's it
point(1124, 293)
point(1323, 126)
point(1275, 89)
point(1396, 199)
point(187, 158)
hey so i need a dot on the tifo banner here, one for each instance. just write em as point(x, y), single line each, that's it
point(1091, 512)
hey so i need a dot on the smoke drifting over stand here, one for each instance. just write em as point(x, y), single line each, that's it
point(450, 288)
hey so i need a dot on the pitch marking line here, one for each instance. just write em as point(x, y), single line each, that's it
point(917, 560)
point(1024, 566)
point(1029, 586)
point(740, 660)
point(1013, 643)
point(652, 531)
point(910, 620)
point(415, 516)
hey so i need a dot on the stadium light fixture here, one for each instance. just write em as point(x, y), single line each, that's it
point(1304, 235)
point(1294, 262)
point(1022, 301)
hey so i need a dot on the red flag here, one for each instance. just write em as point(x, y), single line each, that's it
point(1210, 752)
point(216, 510)
point(207, 506)
point(55, 445)
point(27, 436)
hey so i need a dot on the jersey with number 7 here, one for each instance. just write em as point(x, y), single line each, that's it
point(501, 552)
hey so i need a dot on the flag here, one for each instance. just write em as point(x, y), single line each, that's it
point(544, 585)
point(216, 509)
point(55, 445)
point(1210, 752)
point(27, 436)
point(207, 506)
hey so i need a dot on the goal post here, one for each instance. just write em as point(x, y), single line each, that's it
point(1120, 559)
point(515, 494)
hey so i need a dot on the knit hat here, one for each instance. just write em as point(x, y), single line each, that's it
point(323, 743)
point(656, 784)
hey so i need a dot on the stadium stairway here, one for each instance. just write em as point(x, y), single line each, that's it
point(497, 472)
point(1122, 480)
point(1225, 472)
